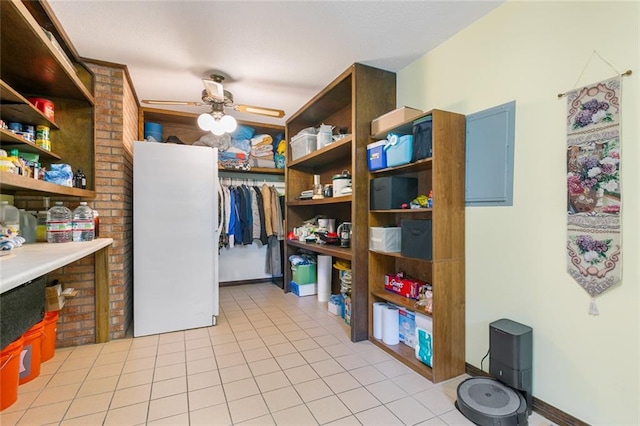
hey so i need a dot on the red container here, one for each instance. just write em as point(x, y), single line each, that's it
point(9, 372)
point(404, 286)
point(50, 333)
point(31, 353)
point(45, 106)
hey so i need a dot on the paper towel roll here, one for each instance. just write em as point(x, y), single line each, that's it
point(390, 325)
point(377, 319)
point(324, 278)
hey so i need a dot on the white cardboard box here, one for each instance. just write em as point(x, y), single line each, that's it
point(392, 119)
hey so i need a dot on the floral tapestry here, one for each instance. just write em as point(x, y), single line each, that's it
point(593, 187)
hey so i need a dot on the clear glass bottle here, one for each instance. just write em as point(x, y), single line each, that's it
point(96, 223)
point(9, 219)
point(59, 226)
point(83, 225)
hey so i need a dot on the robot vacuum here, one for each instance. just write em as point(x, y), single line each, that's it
point(505, 399)
point(487, 402)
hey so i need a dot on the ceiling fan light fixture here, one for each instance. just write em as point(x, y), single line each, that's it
point(217, 128)
point(229, 124)
point(206, 121)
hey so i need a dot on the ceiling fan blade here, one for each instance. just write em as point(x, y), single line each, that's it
point(214, 89)
point(157, 102)
point(269, 112)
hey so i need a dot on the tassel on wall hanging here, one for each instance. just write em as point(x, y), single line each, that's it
point(594, 201)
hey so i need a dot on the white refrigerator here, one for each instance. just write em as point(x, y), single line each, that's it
point(175, 237)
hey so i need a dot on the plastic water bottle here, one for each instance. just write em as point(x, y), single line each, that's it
point(9, 219)
point(28, 223)
point(59, 224)
point(83, 225)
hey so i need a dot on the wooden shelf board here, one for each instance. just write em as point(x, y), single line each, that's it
point(325, 155)
point(397, 299)
point(331, 250)
point(405, 355)
point(402, 211)
point(331, 200)
point(23, 60)
point(10, 140)
point(398, 255)
point(263, 170)
point(13, 182)
point(423, 164)
point(15, 107)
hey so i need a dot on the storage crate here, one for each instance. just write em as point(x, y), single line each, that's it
point(302, 145)
point(385, 239)
point(399, 150)
point(391, 192)
point(416, 238)
point(304, 274)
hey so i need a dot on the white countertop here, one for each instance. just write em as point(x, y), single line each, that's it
point(34, 260)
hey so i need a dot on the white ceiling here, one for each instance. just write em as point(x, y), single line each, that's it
point(276, 54)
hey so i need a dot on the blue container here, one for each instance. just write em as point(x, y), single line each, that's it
point(399, 150)
point(376, 155)
point(153, 131)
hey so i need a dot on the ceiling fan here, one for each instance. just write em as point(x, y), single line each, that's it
point(218, 99)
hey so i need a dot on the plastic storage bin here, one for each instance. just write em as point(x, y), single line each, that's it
point(399, 150)
point(302, 145)
point(376, 155)
point(385, 239)
point(304, 274)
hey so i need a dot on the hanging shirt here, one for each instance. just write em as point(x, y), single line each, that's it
point(263, 229)
point(266, 199)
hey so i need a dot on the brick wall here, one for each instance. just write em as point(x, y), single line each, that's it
point(116, 126)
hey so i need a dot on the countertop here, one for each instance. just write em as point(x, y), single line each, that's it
point(33, 260)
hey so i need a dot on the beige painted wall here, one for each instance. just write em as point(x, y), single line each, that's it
point(587, 366)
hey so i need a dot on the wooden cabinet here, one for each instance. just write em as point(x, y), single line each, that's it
point(32, 65)
point(351, 101)
point(184, 126)
point(444, 174)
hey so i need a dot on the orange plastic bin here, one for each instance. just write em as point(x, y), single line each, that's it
point(50, 333)
point(31, 353)
point(10, 372)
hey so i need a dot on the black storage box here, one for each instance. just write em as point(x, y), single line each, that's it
point(422, 139)
point(416, 239)
point(391, 192)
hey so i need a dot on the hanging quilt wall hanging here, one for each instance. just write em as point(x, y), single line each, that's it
point(594, 200)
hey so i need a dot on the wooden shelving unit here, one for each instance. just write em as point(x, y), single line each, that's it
point(350, 101)
point(184, 126)
point(444, 174)
point(33, 66)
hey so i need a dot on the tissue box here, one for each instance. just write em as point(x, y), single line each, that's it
point(407, 327)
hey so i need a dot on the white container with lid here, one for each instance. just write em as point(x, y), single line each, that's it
point(341, 182)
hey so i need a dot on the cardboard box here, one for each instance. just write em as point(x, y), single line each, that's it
point(54, 300)
point(404, 286)
point(392, 119)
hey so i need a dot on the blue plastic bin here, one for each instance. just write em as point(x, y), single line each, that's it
point(399, 150)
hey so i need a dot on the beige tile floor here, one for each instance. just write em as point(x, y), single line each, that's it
point(273, 359)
